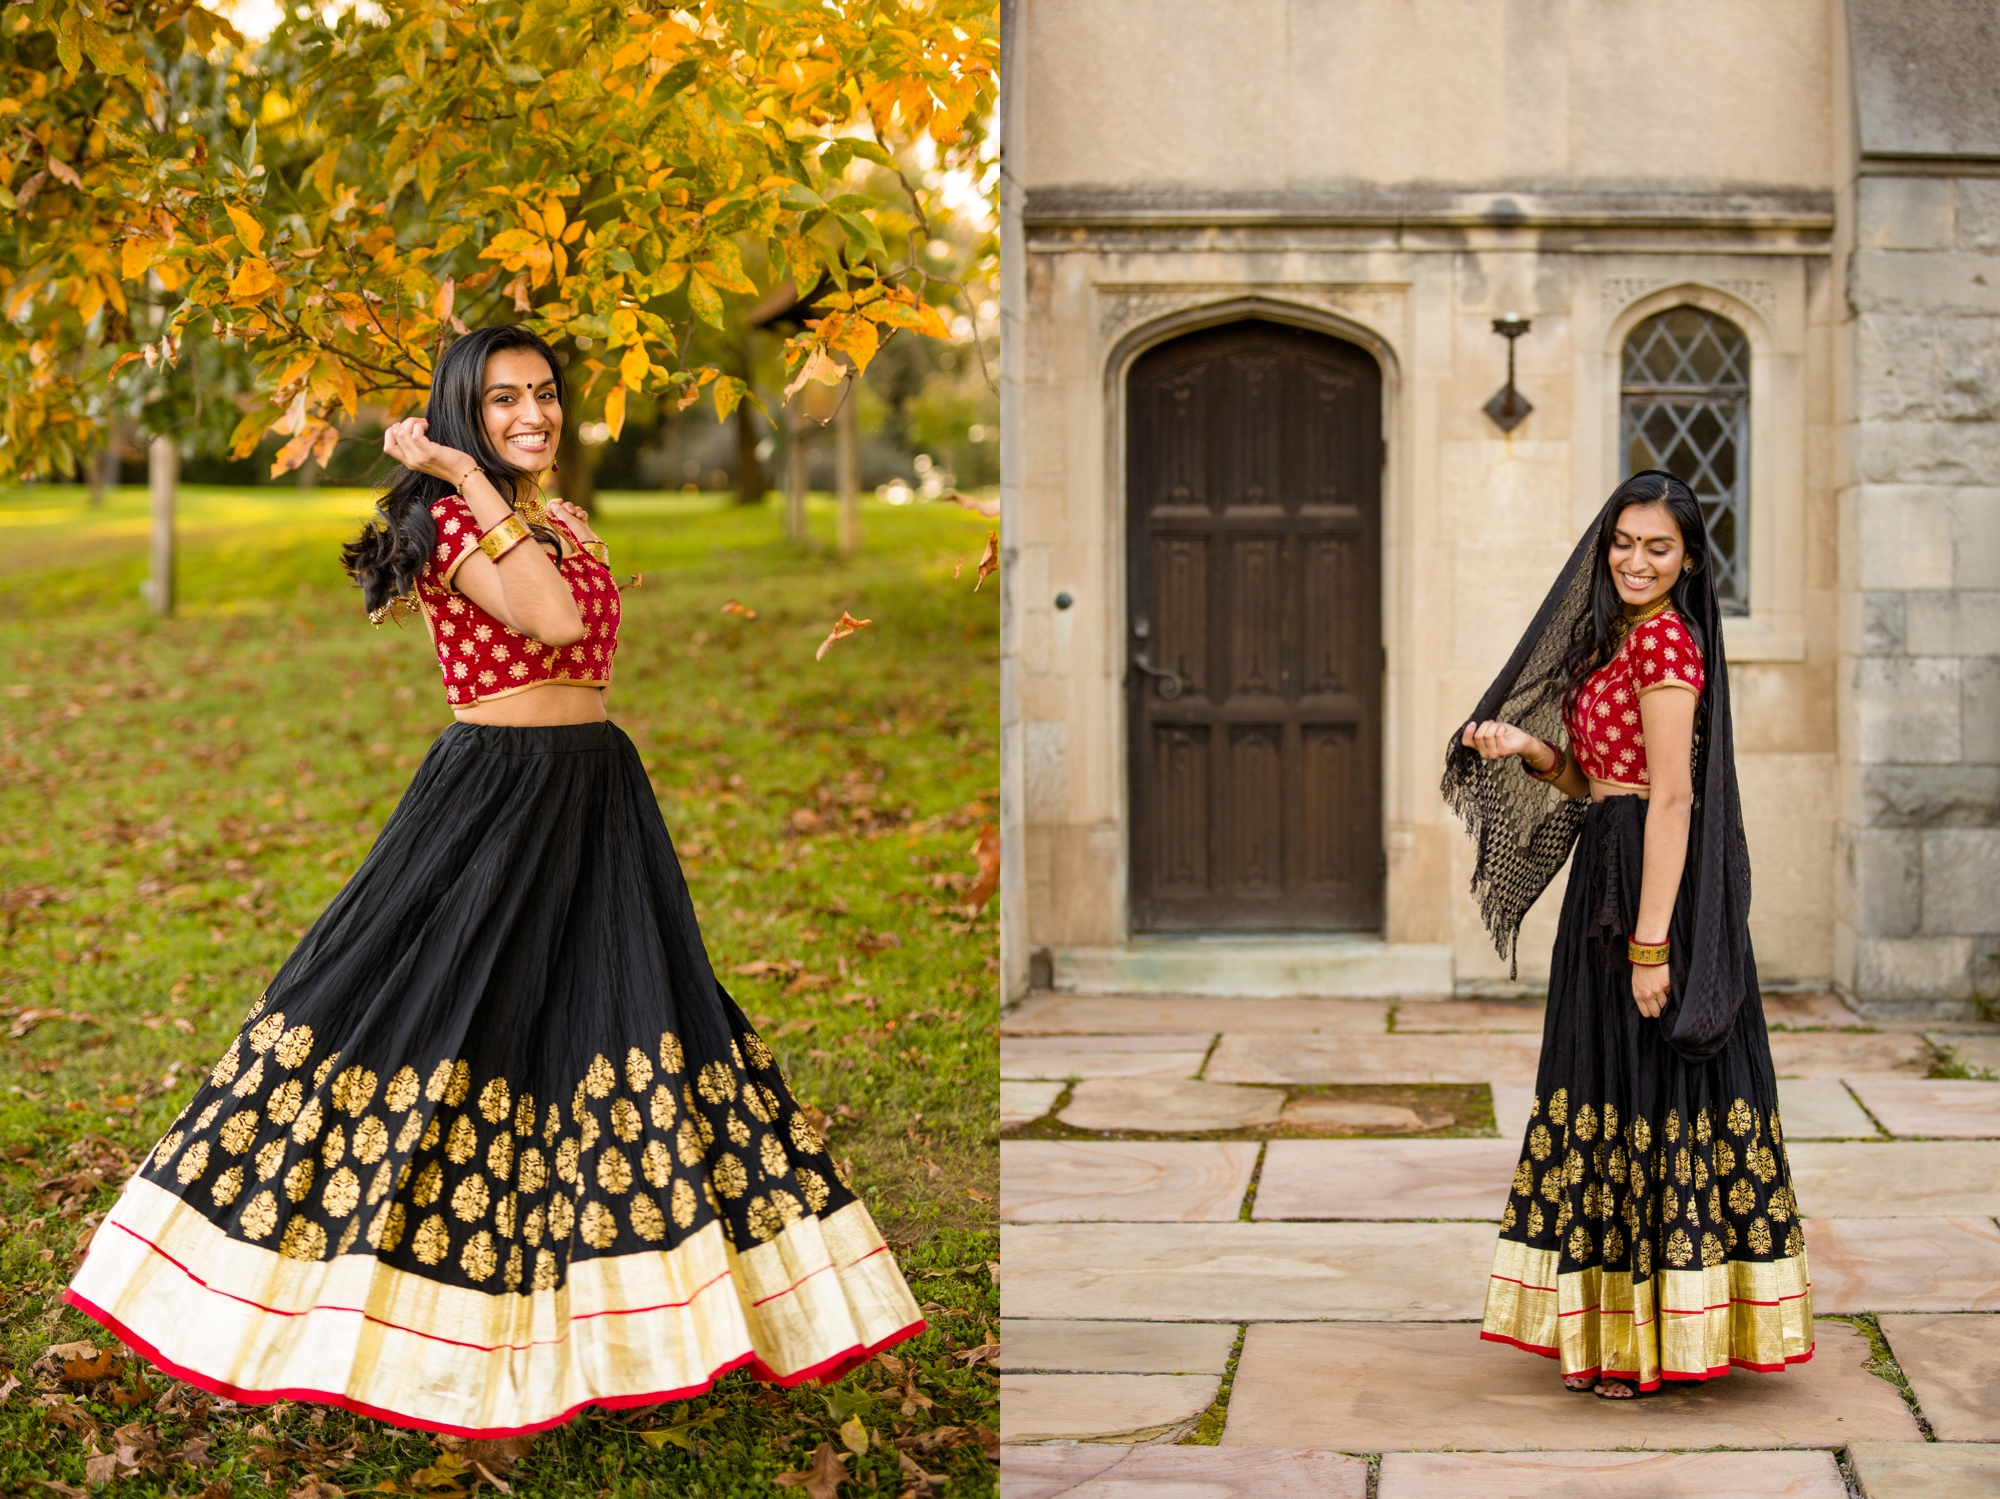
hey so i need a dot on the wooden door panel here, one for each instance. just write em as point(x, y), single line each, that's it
point(1253, 493)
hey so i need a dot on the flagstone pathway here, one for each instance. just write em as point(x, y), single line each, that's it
point(1271, 1220)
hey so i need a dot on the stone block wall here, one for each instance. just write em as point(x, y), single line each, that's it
point(1920, 821)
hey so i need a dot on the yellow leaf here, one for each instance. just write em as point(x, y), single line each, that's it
point(135, 256)
point(614, 411)
point(704, 300)
point(858, 341)
point(553, 215)
point(634, 366)
point(247, 229)
point(817, 367)
point(932, 326)
point(253, 278)
point(441, 304)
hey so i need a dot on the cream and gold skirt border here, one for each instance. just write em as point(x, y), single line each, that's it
point(1681, 1324)
point(251, 1324)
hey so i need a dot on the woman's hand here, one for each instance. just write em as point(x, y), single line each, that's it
point(577, 519)
point(1649, 988)
point(406, 443)
point(1496, 740)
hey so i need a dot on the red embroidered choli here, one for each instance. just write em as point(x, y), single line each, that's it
point(1606, 738)
point(483, 659)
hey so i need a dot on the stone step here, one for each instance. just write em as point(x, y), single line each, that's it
point(1384, 1387)
point(1168, 1106)
point(1916, 1011)
point(1610, 1475)
point(1896, 1178)
point(1932, 1108)
point(1170, 1055)
point(1179, 1472)
point(1925, 1470)
point(1904, 1264)
point(1385, 1179)
point(1241, 1272)
point(1953, 1364)
point(1102, 1407)
point(1267, 1058)
point(1047, 1014)
point(1023, 1103)
point(1821, 1108)
point(1353, 967)
point(1139, 1181)
point(1028, 1346)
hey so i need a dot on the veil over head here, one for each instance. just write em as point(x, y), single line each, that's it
point(1523, 829)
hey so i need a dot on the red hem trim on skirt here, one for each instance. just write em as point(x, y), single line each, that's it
point(827, 1369)
point(1691, 1376)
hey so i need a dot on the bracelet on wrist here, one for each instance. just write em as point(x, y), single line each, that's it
point(1645, 954)
point(600, 551)
point(504, 537)
point(1557, 764)
point(466, 477)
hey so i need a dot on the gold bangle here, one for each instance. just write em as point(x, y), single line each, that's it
point(599, 550)
point(1645, 954)
point(1556, 767)
point(504, 537)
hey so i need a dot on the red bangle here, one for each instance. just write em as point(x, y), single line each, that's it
point(1555, 770)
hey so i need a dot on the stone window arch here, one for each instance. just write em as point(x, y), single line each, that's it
point(1684, 406)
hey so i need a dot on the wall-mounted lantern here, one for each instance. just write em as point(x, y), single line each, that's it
point(1509, 408)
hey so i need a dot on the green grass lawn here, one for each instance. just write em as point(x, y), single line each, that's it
point(180, 798)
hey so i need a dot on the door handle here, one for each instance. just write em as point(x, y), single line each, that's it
point(1170, 682)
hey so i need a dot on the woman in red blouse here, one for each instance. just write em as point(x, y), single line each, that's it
point(1651, 1232)
point(496, 1144)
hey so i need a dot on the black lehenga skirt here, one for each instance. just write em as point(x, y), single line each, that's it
point(495, 1144)
point(1651, 1231)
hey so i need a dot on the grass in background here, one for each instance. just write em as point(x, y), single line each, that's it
point(179, 799)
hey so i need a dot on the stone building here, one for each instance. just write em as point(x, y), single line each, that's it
point(1265, 544)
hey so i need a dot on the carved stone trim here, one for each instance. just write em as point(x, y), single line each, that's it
point(1619, 292)
point(1121, 307)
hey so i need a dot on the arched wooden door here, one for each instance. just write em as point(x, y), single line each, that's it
point(1254, 687)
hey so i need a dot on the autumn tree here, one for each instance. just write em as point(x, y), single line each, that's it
point(333, 206)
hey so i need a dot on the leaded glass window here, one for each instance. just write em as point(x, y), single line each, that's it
point(1685, 407)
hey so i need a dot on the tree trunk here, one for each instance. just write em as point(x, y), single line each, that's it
point(163, 464)
point(750, 484)
point(576, 469)
point(847, 432)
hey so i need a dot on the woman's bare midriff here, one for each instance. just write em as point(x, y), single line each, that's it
point(1601, 789)
point(541, 707)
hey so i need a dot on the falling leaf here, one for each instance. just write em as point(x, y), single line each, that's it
point(987, 851)
point(822, 1477)
point(988, 508)
point(989, 560)
point(846, 625)
point(732, 607)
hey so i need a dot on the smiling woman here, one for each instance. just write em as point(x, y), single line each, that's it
point(496, 1144)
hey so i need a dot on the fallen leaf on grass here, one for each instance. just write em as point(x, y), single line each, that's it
point(732, 607)
point(985, 1353)
point(987, 851)
point(917, 1483)
point(797, 1025)
point(843, 627)
point(822, 1477)
point(854, 1436)
point(7, 1388)
point(316, 1488)
point(682, 1432)
point(989, 560)
point(100, 1468)
point(768, 968)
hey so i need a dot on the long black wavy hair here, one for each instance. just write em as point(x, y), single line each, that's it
point(393, 547)
point(1602, 627)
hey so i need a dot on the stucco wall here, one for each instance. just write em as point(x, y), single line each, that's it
point(1272, 95)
